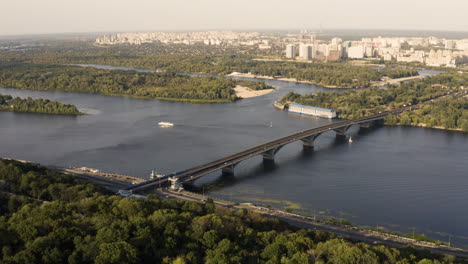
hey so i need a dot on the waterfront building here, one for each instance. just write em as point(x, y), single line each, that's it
point(312, 110)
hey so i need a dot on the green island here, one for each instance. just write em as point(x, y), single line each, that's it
point(448, 113)
point(162, 86)
point(49, 217)
point(210, 60)
point(42, 106)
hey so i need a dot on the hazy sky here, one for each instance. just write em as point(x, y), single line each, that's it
point(57, 16)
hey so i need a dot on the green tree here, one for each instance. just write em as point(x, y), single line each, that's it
point(117, 252)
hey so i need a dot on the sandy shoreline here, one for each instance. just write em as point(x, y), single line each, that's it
point(434, 127)
point(244, 92)
point(284, 79)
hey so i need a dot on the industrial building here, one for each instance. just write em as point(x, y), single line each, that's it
point(312, 110)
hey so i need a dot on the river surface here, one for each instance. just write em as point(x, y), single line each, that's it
point(400, 178)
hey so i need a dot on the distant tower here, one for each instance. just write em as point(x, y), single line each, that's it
point(290, 51)
point(313, 38)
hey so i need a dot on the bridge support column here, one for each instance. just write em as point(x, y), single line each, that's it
point(341, 137)
point(308, 143)
point(175, 184)
point(378, 123)
point(269, 156)
point(366, 125)
point(229, 170)
point(341, 133)
point(372, 124)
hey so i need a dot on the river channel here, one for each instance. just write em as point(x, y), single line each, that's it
point(400, 178)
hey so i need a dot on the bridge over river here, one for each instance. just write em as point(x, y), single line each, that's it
point(269, 149)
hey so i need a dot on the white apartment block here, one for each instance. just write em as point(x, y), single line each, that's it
point(306, 51)
point(356, 52)
point(291, 51)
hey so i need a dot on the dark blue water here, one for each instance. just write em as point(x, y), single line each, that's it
point(395, 177)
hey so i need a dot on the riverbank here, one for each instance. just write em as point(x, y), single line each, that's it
point(245, 92)
point(284, 79)
point(110, 181)
point(36, 106)
point(426, 126)
point(42, 113)
point(397, 80)
point(363, 234)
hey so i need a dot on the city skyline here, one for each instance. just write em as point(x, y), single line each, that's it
point(54, 16)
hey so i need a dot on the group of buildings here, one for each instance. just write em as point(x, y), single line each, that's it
point(188, 38)
point(317, 50)
point(431, 51)
point(305, 46)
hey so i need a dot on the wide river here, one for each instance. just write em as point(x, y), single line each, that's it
point(400, 178)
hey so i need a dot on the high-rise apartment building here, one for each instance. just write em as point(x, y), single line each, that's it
point(290, 51)
point(306, 51)
point(449, 44)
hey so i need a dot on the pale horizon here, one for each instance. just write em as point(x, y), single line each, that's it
point(30, 17)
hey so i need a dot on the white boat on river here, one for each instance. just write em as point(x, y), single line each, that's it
point(165, 124)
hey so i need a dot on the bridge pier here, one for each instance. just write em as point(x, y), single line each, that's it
point(366, 125)
point(341, 137)
point(378, 123)
point(228, 170)
point(372, 124)
point(269, 155)
point(308, 143)
point(341, 133)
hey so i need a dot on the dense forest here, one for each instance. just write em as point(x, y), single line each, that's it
point(49, 217)
point(205, 59)
point(43, 106)
point(447, 113)
point(168, 86)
